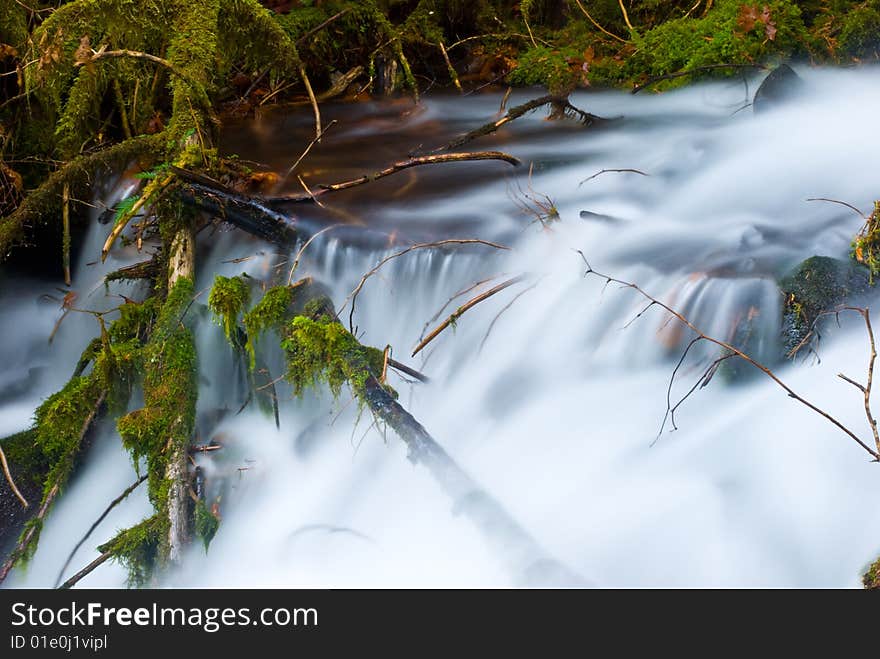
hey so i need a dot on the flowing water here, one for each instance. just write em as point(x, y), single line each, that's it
point(554, 405)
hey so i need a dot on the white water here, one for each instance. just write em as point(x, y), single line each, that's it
point(556, 415)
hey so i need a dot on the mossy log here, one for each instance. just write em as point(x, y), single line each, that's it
point(319, 350)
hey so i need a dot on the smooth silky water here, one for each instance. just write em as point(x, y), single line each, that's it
point(557, 410)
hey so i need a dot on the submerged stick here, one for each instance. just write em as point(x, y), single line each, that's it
point(131, 488)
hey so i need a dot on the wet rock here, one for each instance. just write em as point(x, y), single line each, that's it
point(818, 284)
point(780, 86)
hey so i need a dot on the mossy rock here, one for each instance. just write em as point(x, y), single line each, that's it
point(818, 284)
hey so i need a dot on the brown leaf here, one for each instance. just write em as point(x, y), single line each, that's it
point(748, 17)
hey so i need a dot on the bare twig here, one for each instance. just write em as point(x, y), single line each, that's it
point(87, 570)
point(10, 480)
point(608, 171)
point(321, 26)
point(874, 453)
point(103, 53)
point(455, 315)
point(131, 488)
point(303, 249)
point(842, 203)
point(596, 25)
point(415, 161)
point(352, 297)
point(504, 309)
point(306, 152)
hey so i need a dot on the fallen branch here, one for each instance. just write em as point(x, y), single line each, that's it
point(610, 171)
point(352, 297)
point(88, 569)
point(516, 113)
point(455, 315)
point(415, 161)
point(131, 488)
point(10, 480)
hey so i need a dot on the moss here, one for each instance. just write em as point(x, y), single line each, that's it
point(818, 284)
point(860, 35)
point(866, 244)
point(733, 32)
point(138, 549)
point(206, 523)
point(170, 391)
point(558, 69)
point(323, 351)
point(871, 578)
point(26, 458)
point(229, 296)
point(269, 313)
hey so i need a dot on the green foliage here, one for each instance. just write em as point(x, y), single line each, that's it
point(138, 549)
point(229, 296)
point(866, 244)
point(558, 69)
point(206, 523)
point(323, 351)
point(733, 32)
point(167, 419)
point(860, 35)
point(268, 314)
point(871, 578)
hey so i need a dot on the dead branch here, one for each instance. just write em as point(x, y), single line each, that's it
point(301, 40)
point(415, 161)
point(403, 368)
point(516, 113)
point(131, 488)
point(842, 203)
point(352, 297)
point(504, 309)
point(727, 347)
point(609, 171)
point(305, 152)
point(596, 25)
point(84, 58)
point(455, 315)
point(10, 480)
point(88, 569)
point(468, 289)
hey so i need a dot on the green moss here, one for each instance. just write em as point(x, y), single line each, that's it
point(860, 35)
point(228, 298)
point(558, 69)
point(866, 244)
point(206, 523)
point(138, 549)
point(871, 578)
point(167, 421)
point(26, 458)
point(323, 351)
point(733, 32)
point(268, 314)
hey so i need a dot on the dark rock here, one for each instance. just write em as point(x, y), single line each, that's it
point(780, 86)
point(817, 285)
